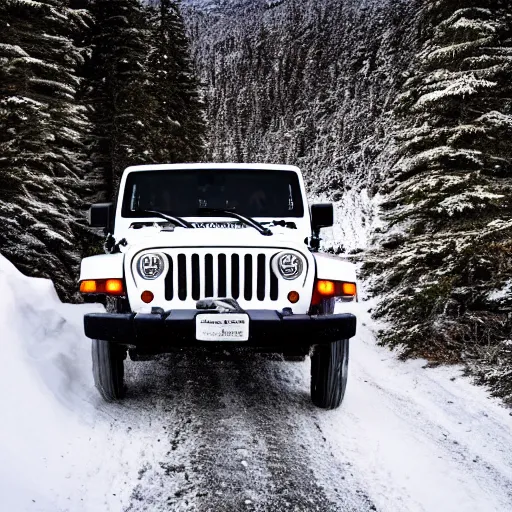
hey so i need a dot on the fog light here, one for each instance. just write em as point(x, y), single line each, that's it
point(147, 297)
point(294, 297)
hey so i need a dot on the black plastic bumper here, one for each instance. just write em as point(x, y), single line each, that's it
point(177, 328)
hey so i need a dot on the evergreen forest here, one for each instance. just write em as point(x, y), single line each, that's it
point(87, 87)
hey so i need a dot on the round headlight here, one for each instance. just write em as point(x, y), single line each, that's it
point(290, 266)
point(150, 266)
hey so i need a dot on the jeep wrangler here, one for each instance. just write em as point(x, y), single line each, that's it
point(217, 256)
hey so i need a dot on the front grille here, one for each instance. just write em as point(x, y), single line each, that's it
point(241, 276)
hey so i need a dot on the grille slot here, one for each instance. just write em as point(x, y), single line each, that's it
point(169, 287)
point(182, 277)
point(208, 276)
point(222, 276)
point(235, 276)
point(246, 276)
point(196, 285)
point(274, 285)
point(261, 277)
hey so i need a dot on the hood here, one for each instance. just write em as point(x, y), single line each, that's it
point(211, 237)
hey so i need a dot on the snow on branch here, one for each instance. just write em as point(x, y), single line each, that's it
point(464, 86)
point(451, 52)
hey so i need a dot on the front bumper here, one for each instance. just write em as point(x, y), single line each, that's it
point(177, 329)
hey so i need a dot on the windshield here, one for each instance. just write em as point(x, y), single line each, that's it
point(253, 193)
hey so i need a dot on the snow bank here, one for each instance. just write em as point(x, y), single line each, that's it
point(61, 447)
point(46, 390)
point(426, 439)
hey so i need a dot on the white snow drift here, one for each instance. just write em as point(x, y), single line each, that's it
point(50, 454)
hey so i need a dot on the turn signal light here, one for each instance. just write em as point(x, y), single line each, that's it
point(349, 289)
point(114, 287)
point(88, 287)
point(106, 286)
point(328, 289)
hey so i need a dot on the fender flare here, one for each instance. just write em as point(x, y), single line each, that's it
point(103, 266)
point(334, 268)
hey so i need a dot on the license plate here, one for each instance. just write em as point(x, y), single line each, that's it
point(222, 327)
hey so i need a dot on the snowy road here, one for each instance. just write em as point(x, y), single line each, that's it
point(235, 432)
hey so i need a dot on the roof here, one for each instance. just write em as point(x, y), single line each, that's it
point(213, 166)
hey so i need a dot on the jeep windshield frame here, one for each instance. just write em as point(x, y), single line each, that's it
point(254, 193)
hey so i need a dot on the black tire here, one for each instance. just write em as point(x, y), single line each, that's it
point(329, 372)
point(108, 369)
point(329, 366)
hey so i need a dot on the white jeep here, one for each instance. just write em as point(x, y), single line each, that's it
point(217, 255)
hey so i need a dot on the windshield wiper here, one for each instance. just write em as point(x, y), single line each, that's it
point(178, 221)
point(246, 220)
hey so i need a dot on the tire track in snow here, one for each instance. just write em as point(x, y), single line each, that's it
point(231, 452)
point(172, 481)
point(241, 435)
point(305, 474)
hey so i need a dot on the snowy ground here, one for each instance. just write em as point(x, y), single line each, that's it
point(233, 433)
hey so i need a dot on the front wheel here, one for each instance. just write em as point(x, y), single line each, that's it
point(108, 369)
point(329, 372)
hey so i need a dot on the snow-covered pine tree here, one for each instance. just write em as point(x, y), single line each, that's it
point(41, 132)
point(117, 91)
point(446, 266)
point(306, 82)
point(178, 125)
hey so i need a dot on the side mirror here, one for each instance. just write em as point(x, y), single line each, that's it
point(100, 215)
point(322, 216)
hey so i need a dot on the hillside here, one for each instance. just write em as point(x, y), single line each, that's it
point(307, 84)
